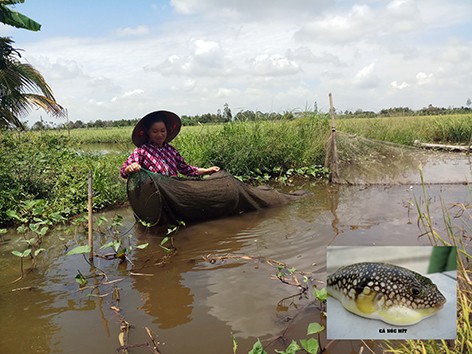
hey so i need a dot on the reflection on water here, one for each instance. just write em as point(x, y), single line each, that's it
point(195, 306)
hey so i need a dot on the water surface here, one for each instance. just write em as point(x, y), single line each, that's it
point(195, 306)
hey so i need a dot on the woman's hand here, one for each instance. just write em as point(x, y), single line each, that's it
point(213, 169)
point(134, 167)
point(208, 171)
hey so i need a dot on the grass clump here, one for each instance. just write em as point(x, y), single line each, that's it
point(248, 149)
point(405, 130)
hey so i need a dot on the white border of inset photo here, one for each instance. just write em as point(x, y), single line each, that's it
point(342, 324)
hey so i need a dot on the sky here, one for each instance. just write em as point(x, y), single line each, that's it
point(122, 59)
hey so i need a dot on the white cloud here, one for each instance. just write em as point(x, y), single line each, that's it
point(400, 86)
point(133, 31)
point(136, 92)
point(358, 23)
point(402, 7)
point(423, 78)
point(250, 9)
point(198, 58)
point(208, 53)
point(224, 92)
point(305, 54)
point(365, 72)
point(189, 84)
point(438, 13)
point(366, 77)
point(274, 65)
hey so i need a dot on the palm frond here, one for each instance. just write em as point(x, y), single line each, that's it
point(22, 87)
point(49, 105)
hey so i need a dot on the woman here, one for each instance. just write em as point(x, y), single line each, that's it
point(152, 135)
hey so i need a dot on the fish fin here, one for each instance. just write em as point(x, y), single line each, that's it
point(366, 303)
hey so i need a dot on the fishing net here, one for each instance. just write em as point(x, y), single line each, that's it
point(161, 200)
point(357, 160)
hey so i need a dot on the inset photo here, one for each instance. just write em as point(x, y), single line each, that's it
point(391, 292)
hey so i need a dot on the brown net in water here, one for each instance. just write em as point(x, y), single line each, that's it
point(160, 200)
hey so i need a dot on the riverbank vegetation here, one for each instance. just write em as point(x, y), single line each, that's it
point(455, 129)
point(50, 171)
point(53, 165)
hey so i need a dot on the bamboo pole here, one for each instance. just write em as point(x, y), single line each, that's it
point(470, 145)
point(68, 125)
point(333, 163)
point(466, 149)
point(90, 221)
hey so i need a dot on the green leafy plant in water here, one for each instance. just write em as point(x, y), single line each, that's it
point(291, 349)
point(171, 231)
point(146, 223)
point(81, 279)
point(235, 344)
point(79, 250)
point(320, 294)
point(35, 219)
point(309, 345)
point(120, 251)
point(257, 348)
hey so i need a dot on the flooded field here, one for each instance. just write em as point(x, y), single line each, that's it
point(218, 285)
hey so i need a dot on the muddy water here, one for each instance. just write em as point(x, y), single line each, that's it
point(196, 306)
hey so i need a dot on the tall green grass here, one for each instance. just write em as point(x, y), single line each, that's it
point(402, 130)
point(116, 135)
point(405, 130)
point(243, 148)
point(94, 135)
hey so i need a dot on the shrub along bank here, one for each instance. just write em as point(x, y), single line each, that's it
point(44, 178)
point(261, 149)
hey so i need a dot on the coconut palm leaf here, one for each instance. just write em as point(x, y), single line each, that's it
point(22, 88)
point(15, 19)
point(49, 105)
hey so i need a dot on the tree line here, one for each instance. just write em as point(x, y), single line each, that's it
point(248, 116)
point(430, 110)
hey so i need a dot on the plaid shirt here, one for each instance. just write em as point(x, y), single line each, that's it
point(165, 160)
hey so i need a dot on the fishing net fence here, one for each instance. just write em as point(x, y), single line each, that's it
point(353, 159)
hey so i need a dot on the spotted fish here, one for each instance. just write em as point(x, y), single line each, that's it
point(393, 294)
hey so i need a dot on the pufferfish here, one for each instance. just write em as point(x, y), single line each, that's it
point(387, 292)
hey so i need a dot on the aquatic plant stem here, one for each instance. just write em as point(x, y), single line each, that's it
point(90, 221)
point(22, 272)
point(333, 162)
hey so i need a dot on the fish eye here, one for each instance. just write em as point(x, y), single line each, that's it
point(415, 291)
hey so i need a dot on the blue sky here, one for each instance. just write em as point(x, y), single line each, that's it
point(123, 59)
